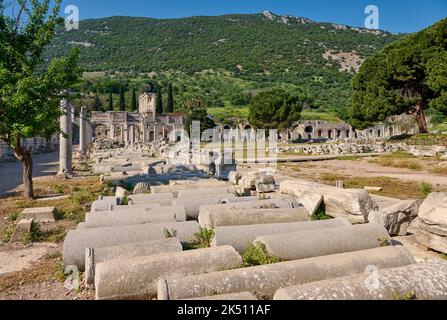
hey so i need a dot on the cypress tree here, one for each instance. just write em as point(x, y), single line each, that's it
point(159, 102)
point(134, 100)
point(122, 100)
point(170, 104)
point(110, 100)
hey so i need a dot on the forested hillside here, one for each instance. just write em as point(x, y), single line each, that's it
point(256, 51)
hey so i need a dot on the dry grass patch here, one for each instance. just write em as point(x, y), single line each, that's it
point(391, 187)
point(391, 162)
point(46, 269)
point(71, 211)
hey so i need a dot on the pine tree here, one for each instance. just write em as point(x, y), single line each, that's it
point(110, 100)
point(122, 100)
point(134, 100)
point(159, 102)
point(170, 104)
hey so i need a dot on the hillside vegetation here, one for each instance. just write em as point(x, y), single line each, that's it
point(226, 55)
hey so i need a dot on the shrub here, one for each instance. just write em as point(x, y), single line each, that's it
point(257, 255)
point(426, 188)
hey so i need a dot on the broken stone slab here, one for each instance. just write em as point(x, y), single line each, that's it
point(321, 242)
point(121, 192)
point(352, 204)
point(78, 240)
point(422, 281)
point(104, 203)
point(231, 217)
point(94, 256)
point(394, 214)
point(265, 188)
point(142, 188)
point(311, 201)
point(431, 225)
point(23, 228)
point(136, 278)
point(45, 214)
point(241, 237)
point(265, 280)
point(241, 296)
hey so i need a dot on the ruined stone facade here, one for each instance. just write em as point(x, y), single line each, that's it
point(144, 126)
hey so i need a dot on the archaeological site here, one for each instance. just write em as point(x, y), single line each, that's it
point(236, 184)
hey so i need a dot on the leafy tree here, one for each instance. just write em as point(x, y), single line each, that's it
point(110, 100)
point(196, 102)
point(201, 115)
point(170, 103)
point(122, 102)
point(274, 109)
point(159, 102)
point(30, 94)
point(408, 76)
point(134, 100)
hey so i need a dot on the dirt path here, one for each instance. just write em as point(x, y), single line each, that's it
point(46, 164)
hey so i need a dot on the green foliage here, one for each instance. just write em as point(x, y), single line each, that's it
point(410, 295)
point(124, 201)
point(204, 237)
point(122, 102)
point(257, 255)
point(407, 76)
point(235, 45)
point(426, 188)
point(110, 101)
point(201, 115)
point(159, 102)
point(384, 242)
point(134, 105)
point(274, 109)
point(170, 103)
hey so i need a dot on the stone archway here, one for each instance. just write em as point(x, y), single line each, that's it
point(309, 131)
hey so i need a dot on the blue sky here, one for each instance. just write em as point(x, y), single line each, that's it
point(395, 15)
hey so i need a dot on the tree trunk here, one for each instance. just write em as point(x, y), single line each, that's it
point(27, 161)
point(420, 117)
point(25, 156)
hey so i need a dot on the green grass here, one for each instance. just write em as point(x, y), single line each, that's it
point(426, 188)
point(316, 115)
point(257, 255)
point(349, 158)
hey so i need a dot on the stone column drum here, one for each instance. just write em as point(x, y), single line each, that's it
point(322, 242)
point(94, 256)
point(240, 237)
point(78, 240)
point(136, 278)
point(422, 281)
point(265, 280)
point(237, 217)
